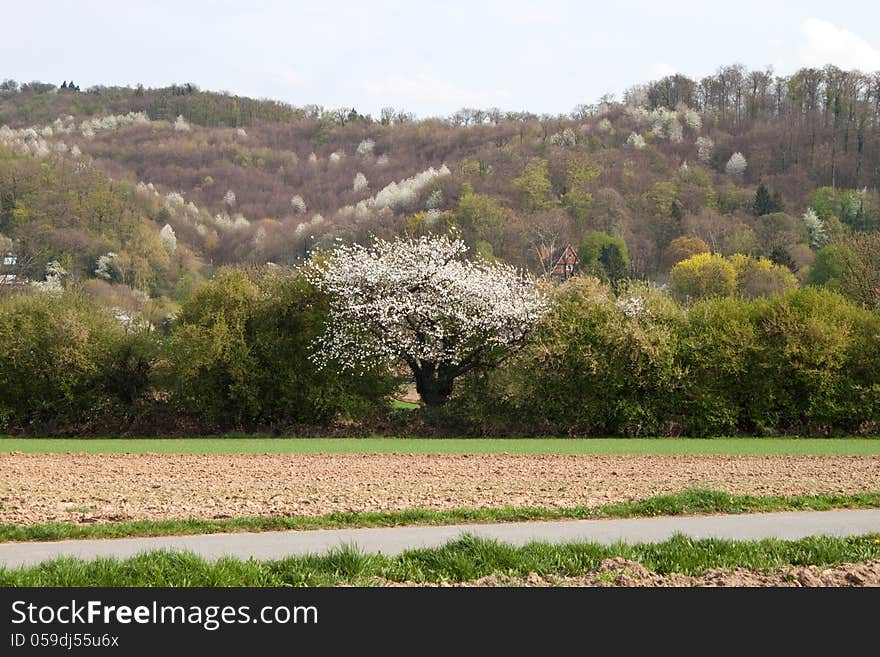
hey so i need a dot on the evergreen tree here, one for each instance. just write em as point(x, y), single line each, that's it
point(780, 256)
point(777, 202)
point(763, 202)
point(614, 261)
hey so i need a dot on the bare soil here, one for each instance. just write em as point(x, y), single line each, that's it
point(621, 572)
point(87, 488)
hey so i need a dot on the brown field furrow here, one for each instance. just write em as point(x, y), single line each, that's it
point(36, 488)
point(621, 572)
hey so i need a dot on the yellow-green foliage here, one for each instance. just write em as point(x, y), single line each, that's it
point(534, 185)
point(756, 277)
point(480, 218)
point(712, 275)
point(703, 275)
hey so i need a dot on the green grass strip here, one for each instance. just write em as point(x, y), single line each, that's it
point(691, 502)
point(463, 559)
point(237, 444)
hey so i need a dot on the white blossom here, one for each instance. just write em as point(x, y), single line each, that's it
point(635, 140)
point(382, 160)
point(815, 228)
point(421, 302)
point(432, 216)
point(632, 306)
point(40, 148)
point(360, 182)
point(336, 157)
point(605, 125)
point(298, 204)
point(705, 148)
point(313, 159)
point(174, 199)
point(665, 124)
point(180, 124)
point(691, 118)
point(640, 115)
point(168, 238)
point(229, 197)
point(54, 283)
point(104, 266)
point(361, 211)
point(366, 147)
point(241, 132)
point(565, 138)
point(674, 131)
point(435, 200)
point(403, 195)
point(74, 151)
point(737, 164)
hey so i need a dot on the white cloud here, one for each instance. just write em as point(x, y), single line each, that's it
point(824, 43)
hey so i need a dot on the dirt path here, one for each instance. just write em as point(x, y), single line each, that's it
point(86, 488)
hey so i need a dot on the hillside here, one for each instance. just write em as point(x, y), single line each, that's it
point(91, 178)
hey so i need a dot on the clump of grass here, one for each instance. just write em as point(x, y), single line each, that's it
point(691, 502)
point(464, 559)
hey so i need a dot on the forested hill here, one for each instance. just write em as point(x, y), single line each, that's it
point(145, 191)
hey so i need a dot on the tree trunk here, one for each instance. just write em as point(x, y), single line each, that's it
point(433, 383)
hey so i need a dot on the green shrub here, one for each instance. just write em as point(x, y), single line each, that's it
point(594, 367)
point(805, 361)
point(240, 354)
point(61, 361)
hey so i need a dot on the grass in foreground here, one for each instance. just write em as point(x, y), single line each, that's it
point(686, 503)
point(464, 559)
point(258, 445)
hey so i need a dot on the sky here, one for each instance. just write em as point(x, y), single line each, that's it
point(427, 57)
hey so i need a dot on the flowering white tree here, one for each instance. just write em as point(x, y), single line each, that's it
point(168, 238)
point(565, 138)
point(229, 197)
point(691, 118)
point(180, 124)
point(298, 204)
point(422, 303)
point(104, 266)
point(737, 164)
point(360, 182)
point(435, 200)
point(55, 277)
point(635, 140)
point(705, 148)
point(815, 228)
point(366, 147)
